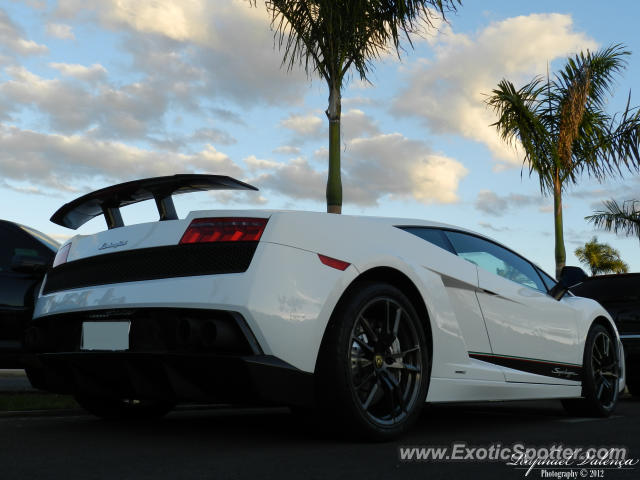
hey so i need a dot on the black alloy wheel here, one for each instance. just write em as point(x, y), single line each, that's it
point(600, 375)
point(376, 355)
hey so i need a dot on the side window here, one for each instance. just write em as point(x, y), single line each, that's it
point(431, 235)
point(548, 281)
point(495, 259)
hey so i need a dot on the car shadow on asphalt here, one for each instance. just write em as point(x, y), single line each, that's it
point(259, 425)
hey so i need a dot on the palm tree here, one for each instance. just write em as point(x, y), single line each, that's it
point(601, 258)
point(618, 218)
point(328, 37)
point(563, 128)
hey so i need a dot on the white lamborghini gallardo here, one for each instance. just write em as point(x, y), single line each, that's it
point(366, 318)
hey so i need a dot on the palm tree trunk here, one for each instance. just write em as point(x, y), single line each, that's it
point(561, 254)
point(334, 181)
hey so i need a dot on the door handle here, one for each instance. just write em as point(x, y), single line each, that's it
point(488, 292)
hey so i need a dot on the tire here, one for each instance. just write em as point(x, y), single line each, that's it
point(374, 365)
point(36, 377)
point(600, 374)
point(120, 409)
point(633, 380)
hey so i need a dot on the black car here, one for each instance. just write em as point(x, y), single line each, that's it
point(620, 295)
point(25, 256)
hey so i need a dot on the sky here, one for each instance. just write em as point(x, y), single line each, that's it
point(97, 92)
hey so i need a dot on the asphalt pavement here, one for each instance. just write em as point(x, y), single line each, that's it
point(220, 443)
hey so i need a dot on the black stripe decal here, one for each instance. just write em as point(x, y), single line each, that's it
point(567, 371)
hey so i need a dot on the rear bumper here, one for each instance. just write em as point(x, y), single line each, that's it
point(173, 354)
point(180, 377)
point(286, 298)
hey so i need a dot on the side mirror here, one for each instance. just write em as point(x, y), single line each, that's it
point(29, 264)
point(569, 277)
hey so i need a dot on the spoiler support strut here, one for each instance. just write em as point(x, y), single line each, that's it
point(113, 217)
point(166, 208)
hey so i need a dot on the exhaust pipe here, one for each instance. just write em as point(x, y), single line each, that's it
point(197, 333)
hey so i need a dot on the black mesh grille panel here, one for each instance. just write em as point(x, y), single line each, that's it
point(152, 263)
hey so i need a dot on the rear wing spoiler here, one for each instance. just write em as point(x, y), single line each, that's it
point(108, 201)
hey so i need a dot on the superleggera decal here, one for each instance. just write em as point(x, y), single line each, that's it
point(547, 368)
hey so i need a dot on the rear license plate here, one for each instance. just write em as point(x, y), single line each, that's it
point(105, 336)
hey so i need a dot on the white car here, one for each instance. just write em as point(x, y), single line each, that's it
point(366, 318)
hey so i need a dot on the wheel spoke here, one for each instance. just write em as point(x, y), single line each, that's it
point(369, 399)
point(361, 360)
point(404, 366)
point(387, 317)
point(363, 344)
point(406, 352)
point(395, 392)
point(596, 350)
point(606, 345)
point(365, 380)
point(389, 390)
point(366, 326)
point(396, 324)
point(600, 389)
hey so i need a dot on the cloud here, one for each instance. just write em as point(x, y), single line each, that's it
point(92, 73)
point(227, 115)
point(304, 125)
point(61, 237)
point(355, 123)
point(493, 204)
point(197, 34)
point(66, 162)
point(358, 101)
point(213, 135)
point(402, 168)
point(12, 38)
point(296, 179)
point(321, 153)
point(237, 197)
point(367, 163)
point(130, 111)
point(181, 21)
point(577, 237)
point(287, 150)
point(201, 136)
point(493, 228)
point(448, 92)
point(61, 31)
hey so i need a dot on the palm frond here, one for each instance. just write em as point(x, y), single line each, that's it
point(601, 258)
point(522, 121)
point(618, 218)
point(328, 37)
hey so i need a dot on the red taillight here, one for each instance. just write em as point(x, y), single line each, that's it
point(224, 230)
point(333, 262)
point(61, 256)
